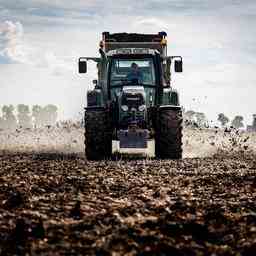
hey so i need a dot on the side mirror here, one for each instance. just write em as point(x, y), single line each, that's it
point(82, 66)
point(178, 66)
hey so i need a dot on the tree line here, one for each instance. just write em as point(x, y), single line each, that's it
point(237, 122)
point(199, 119)
point(39, 116)
point(25, 117)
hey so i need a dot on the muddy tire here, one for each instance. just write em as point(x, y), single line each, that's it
point(98, 134)
point(169, 133)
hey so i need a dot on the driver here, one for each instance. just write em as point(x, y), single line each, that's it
point(135, 75)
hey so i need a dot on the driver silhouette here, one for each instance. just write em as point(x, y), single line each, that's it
point(135, 75)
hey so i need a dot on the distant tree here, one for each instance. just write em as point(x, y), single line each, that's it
point(238, 122)
point(24, 117)
point(1, 123)
point(189, 115)
point(254, 121)
point(9, 118)
point(223, 119)
point(37, 114)
point(50, 114)
point(201, 119)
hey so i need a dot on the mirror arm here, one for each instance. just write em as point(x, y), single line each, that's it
point(103, 55)
point(168, 72)
point(89, 58)
point(172, 57)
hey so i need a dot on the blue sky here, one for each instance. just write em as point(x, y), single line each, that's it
point(40, 42)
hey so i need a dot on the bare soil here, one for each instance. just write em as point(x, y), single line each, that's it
point(54, 202)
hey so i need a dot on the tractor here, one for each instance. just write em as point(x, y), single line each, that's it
point(133, 108)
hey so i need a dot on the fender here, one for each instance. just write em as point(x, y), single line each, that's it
point(170, 97)
point(95, 98)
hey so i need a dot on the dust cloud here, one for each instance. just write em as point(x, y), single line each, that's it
point(69, 138)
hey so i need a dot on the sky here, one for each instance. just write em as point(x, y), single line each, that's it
point(41, 41)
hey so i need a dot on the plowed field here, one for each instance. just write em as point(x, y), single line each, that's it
point(54, 202)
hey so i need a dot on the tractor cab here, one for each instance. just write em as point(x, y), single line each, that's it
point(132, 82)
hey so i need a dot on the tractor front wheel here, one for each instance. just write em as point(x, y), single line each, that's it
point(98, 134)
point(169, 133)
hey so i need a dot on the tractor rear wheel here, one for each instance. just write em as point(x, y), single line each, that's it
point(98, 134)
point(169, 133)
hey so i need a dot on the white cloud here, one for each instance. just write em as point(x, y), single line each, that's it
point(14, 49)
point(11, 48)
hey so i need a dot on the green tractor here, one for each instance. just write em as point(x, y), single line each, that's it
point(133, 109)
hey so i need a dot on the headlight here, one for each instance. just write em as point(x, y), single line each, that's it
point(142, 108)
point(124, 108)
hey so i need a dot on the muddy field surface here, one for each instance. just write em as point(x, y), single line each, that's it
point(60, 204)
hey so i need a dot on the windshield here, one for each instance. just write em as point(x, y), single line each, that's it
point(132, 72)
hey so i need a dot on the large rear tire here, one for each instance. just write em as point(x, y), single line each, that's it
point(98, 134)
point(169, 133)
